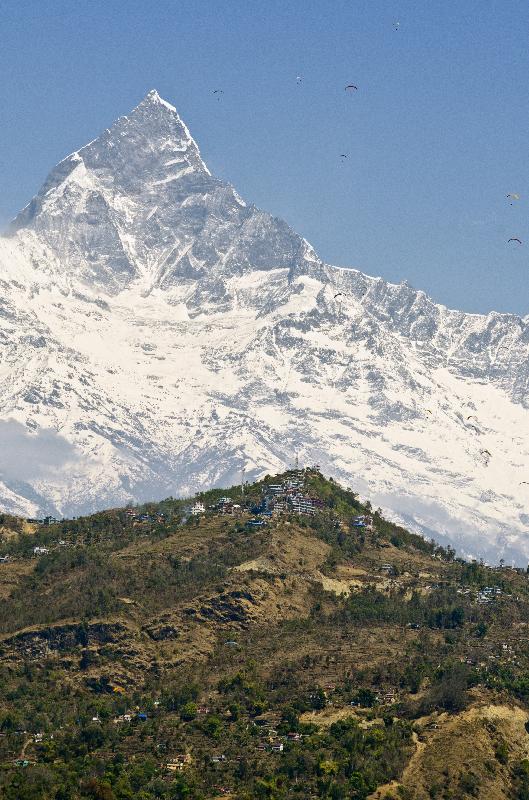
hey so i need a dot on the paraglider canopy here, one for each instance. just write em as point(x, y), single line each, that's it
point(513, 196)
point(340, 294)
point(514, 239)
point(351, 87)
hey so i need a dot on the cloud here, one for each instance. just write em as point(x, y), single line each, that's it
point(27, 456)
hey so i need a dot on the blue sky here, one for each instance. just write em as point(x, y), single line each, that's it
point(436, 135)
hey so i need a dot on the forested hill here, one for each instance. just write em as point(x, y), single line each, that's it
point(272, 641)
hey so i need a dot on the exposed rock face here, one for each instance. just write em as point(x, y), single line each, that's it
point(158, 334)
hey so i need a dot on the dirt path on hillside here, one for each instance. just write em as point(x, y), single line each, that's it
point(463, 744)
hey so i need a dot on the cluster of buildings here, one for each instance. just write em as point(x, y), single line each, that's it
point(179, 762)
point(142, 519)
point(141, 716)
point(270, 741)
point(225, 505)
point(288, 497)
point(363, 521)
point(49, 520)
point(484, 596)
point(488, 595)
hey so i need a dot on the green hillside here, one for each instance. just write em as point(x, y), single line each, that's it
point(253, 651)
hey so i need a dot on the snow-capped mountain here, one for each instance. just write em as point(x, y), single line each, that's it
point(158, 335)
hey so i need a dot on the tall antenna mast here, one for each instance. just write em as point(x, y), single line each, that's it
point(297, 462)
point(242, 481)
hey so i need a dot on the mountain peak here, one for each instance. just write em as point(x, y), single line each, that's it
point(154, 98)
point(139, 149)
point(108, 210)
point(154, 126)
point(171, 335)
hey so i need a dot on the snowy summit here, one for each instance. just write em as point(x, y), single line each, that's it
point(159, 335)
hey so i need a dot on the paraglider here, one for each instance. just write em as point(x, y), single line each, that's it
point(396, 25)
point(471, 416)
point(343, 155)
point(340, 294)
point(514, 239)
point(351, 88)
point(513, 196)
point(299, 78)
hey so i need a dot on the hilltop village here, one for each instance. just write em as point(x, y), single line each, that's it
point(287, 497)
point(277, 639)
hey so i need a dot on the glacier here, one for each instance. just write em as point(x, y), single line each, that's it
point(159, 335)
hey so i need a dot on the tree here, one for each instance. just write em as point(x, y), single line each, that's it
point(189, 712)
point(450, 692)
point(365, 698)
point(213, 727)
point(318, 699)
point(99, 790)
